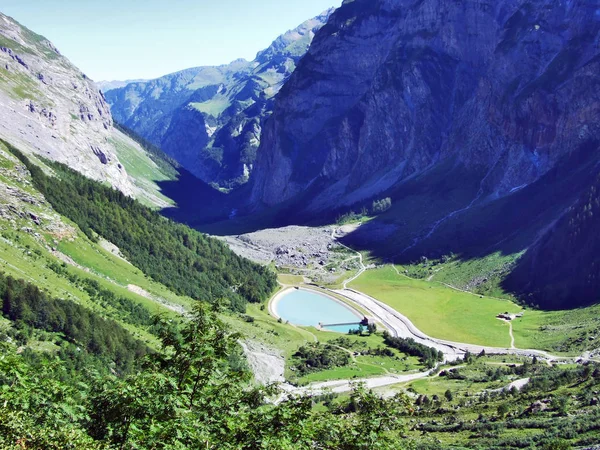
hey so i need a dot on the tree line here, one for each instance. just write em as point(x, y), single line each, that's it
point(26, 305)
point(428, 356)
point(173, 254)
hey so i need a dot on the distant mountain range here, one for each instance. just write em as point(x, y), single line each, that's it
point(106, 86)
point(210, 118)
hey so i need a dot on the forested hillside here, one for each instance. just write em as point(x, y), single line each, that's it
point(180, 258)
point(32, 311)
point(188, 395)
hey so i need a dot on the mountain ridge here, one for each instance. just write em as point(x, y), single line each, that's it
point(432, 111)
point(210, 118)
point(443, 70)
point(49, 108)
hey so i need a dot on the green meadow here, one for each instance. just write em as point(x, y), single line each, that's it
point(439, 311)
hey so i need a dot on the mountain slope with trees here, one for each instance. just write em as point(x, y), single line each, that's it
point(180, 258)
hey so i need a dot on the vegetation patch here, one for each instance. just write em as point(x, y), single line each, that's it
point(183, 397)
point(24, 304)
point(474, 406)
point(428, 356)
point(173, 254)
point(315, 356)
point(439, 311)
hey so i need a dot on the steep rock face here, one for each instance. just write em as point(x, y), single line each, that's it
point(190, 139)
point(234, 101)
point(50, 108)
point(47, 106)
point(391, 88)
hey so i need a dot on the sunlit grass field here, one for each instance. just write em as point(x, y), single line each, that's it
point(439, 311)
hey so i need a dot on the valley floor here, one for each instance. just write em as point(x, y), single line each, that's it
point(451, 320)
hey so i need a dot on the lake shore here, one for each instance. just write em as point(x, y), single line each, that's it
point(274, 301)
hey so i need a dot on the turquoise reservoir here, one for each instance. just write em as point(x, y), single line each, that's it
point(309, 308)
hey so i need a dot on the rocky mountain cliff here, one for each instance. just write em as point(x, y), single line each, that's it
point(391, 87)
point(50, 108)
point(478, 118)
point(210, 118)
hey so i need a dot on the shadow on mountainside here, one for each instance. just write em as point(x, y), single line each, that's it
point(195, 200)
point(531, 219)
point(446, 211)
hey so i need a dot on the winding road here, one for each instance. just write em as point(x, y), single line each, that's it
point(358, 255)
point(400, 326)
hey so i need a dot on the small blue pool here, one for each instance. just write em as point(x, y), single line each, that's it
point(309, 308)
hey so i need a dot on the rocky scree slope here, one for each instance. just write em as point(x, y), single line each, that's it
point(480, 119)
point(50, 108)
point(210, 118)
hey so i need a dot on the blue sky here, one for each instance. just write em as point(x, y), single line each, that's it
point(125, 39)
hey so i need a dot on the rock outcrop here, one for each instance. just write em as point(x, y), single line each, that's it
point(391, 89)
point(48, 107)
point(226, 105)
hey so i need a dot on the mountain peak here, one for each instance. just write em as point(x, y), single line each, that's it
point(295, 42)
point(210, 118)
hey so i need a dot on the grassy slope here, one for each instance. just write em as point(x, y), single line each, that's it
point(17, 85)
point(145, 172)
point(570, 332)
point(117, 271)
point(446, 313)
point(214, 107)
point(480, 275)
point(439, 311)
point(290, 279)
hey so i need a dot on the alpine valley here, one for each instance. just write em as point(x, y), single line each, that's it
point(381, 233)
point(210, 118)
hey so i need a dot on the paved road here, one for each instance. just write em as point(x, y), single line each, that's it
point(399, 325)
point(340, 386)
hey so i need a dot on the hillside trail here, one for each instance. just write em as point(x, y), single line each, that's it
point(359, 255)
point(510, 332)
